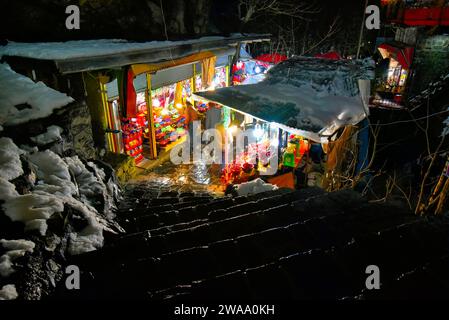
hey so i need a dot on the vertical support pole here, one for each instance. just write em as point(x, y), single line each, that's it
point(105, 118)
point(194, 77)
point(150, 118)
point(235, 58)
point(362, 27)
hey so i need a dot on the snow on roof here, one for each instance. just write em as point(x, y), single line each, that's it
point(35, 100)
point(307, 94)
point(102, 47)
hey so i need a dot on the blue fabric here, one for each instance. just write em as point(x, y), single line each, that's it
point(316, 152)
point(363, 141)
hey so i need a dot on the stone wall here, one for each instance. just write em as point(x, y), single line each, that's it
point(75, 121)
point(123, 165)
point(79, 130)
point(431, 61)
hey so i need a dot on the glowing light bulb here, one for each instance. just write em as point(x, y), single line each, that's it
point(257, 69)
point(156, 103)
point(258, 132)
point(164, 112)
point(179, 105)
point(232, 129)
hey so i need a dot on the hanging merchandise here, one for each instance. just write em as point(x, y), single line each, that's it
point(168, 112)
point(198, 83)
point(295, 151)
point(289, 159)
point(255, 159)
point(219, 78)
point(134, 128)
point(132, 139)
point(249, 71)
point(238, 71)
point(208, 71)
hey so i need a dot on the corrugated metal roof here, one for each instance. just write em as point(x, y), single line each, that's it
point(78, 56)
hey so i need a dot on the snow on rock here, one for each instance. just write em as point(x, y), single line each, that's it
point(52, 170)
point(254, 187)
point(16, 249)
point(10, 164)
point(33, 209)
point(88, 184)
point(8, 292)
point(19, 244)
point(53, 134)
point(90, 181)
point(22, 99)
point(7, 190)
point(110, 189)
point(62, 182)
point(91, 237)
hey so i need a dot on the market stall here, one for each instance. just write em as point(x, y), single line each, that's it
point(399, 59)
point(303, 110)
point(256, 157)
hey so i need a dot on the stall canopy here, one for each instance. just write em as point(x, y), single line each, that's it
point(307, 96)
point(332, 55)
point(401, 53)
point(87, 55)
point(274, 58)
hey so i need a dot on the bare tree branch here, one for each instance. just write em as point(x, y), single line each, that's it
point(252, 9)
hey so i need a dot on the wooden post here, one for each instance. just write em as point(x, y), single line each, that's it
point(150, 118)
point(361, 29)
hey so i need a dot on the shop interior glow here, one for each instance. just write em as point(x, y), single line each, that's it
point(156, 103)
point(258, 131)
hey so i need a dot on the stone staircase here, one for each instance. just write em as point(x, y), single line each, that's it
point(277, 245)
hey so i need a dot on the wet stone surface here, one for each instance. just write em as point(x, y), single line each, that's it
point(193, 179)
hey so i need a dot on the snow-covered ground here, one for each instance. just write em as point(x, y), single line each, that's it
point(254, 187)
